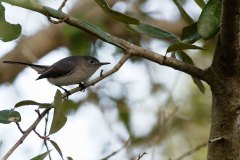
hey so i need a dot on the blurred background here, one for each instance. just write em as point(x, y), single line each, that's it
point(160, 108)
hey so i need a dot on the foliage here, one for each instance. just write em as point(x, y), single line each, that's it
point(206, 27)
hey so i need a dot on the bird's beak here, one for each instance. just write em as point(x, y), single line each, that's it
point(104, 63)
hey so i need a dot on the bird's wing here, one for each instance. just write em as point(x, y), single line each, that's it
point(57, 70)
point(39, 68)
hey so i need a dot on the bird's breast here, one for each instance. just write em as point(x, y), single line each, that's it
point(75, 77)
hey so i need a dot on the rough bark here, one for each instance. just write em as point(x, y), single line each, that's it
point(225, 85)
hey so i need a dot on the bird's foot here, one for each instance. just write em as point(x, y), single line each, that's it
point(66, 91)
point(82, 86)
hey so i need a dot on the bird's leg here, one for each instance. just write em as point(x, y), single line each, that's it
point(82, 86)
point(66, 91)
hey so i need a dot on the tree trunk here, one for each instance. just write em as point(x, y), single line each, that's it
point(225, 129)
point(224, 142)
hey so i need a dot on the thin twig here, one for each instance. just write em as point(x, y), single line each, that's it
point(62, 5)
point(46, 123)
point(117, 151)
point(45, 134)
point(20, 129)
point(38, 112)
point(42, 137)
point(61, 20)
point(217, 139)
point(141, 155)
point(188, 153)
point(46, 145)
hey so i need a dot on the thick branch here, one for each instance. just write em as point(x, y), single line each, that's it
point(230, 28)
point(166, 61)
point(227, 56)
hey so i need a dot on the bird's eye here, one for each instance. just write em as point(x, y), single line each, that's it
point(91, 61)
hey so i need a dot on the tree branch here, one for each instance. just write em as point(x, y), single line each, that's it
point(166, 61)
point(131, 48)
point(20, 129)
point(230, 32)
point(226, 57)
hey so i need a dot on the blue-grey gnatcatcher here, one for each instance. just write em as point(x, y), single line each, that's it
point(67, 71)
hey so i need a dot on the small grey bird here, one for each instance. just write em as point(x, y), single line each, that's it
point(67, 71)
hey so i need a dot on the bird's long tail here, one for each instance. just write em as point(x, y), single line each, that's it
point(39, 68)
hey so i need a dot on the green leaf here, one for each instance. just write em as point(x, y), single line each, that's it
point(182, 46)
point(116, 15)
point(187, 59)
point(30, 102)
point(190, 34)
point(186, 17)
point(53, 12)
point(25, 103)
point(69, 158)
point(100, 33)
point(41, 156)
point(55, 145)
point(152, 31)
point(8, 116)
point(69, 105)
point(199, 84)
point(8, 31)
point(59, 119)
point(200, 3)
point(209, 20)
